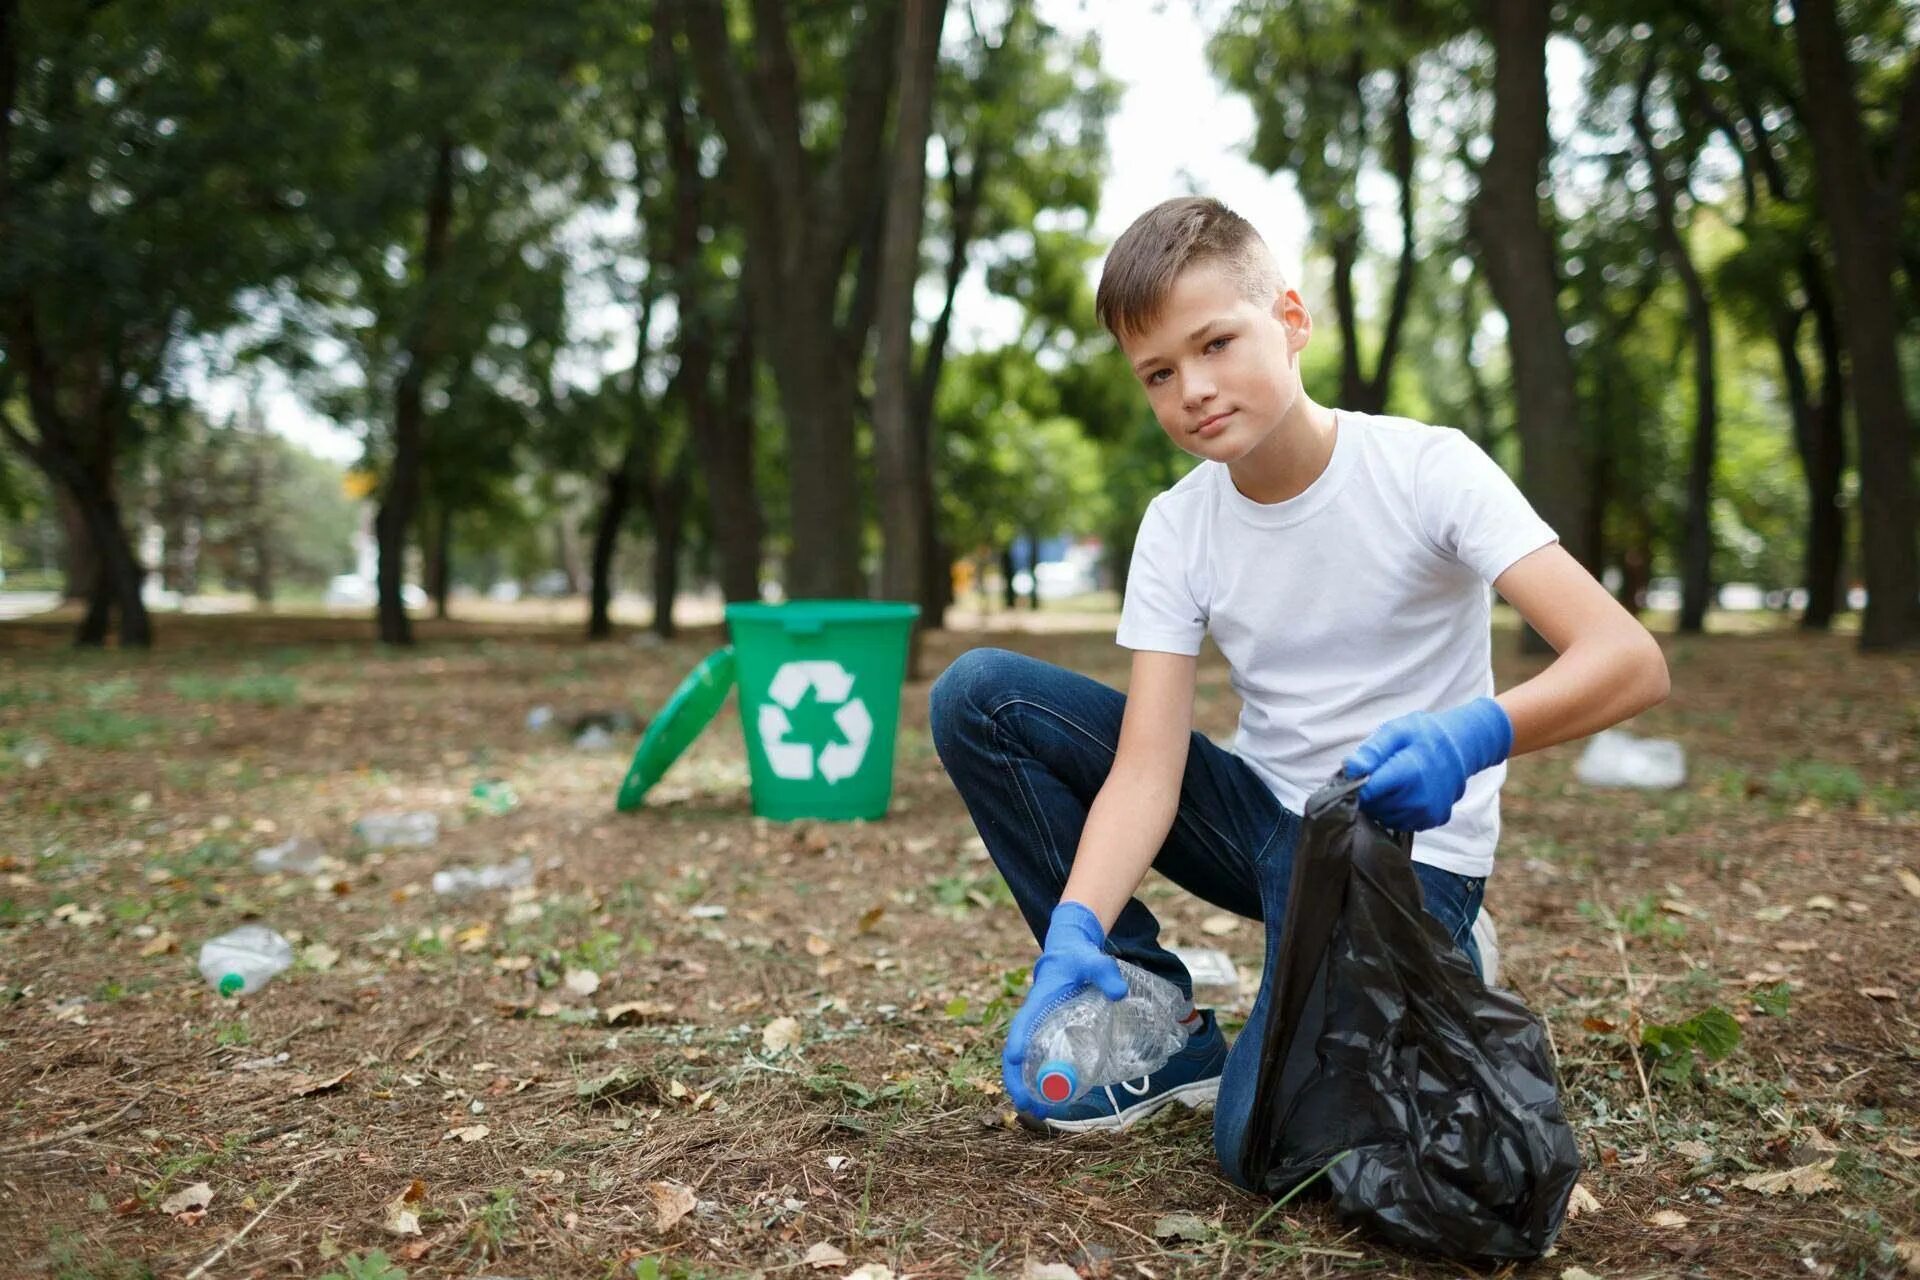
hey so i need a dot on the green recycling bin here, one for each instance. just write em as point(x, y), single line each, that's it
point(820, 703)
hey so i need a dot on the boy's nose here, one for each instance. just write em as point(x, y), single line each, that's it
point(1195, 392)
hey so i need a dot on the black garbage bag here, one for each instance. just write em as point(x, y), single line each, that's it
point(1383, 1048)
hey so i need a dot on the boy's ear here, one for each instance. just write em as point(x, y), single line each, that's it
point(1291, 311)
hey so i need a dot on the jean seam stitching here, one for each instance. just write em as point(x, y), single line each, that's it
point(1028, 802)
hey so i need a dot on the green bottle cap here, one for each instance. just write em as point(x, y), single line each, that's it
point(232, 984)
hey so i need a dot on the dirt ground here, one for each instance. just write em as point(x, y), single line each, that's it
point(701, 1044)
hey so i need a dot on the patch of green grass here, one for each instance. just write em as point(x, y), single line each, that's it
point(110, 730)
point(72, 1258)
point(106, 693)
point(491, 1228)
point(258, 689)
point(25, 695)
point(599, 951)
point(960, 893)
point(371, 1266)
point(1640, 918)
point(232, 1033)
point(1833, 786)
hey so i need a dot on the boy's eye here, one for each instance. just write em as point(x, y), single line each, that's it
point(1220, 343)
point(1155, 378)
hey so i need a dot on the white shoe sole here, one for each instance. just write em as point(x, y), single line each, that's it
point(1199, 1095)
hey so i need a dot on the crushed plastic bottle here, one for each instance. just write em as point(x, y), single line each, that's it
point(385, 830)
point(494, 797)
point(1089, 1040)
point(242, 961)
point(1615, 758)
point(509, 875)
point(299, 856)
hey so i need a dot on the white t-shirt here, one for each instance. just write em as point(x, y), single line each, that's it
point(1363, 598)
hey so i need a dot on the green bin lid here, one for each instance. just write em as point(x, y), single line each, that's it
point(691, 709)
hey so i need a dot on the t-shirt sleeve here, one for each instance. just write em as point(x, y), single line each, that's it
point(1159, 612)
point(1472, 510)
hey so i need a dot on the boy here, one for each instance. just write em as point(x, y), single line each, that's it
point(1340, 561)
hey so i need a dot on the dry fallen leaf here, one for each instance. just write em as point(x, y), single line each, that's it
point(320, 957)
point(1219, 925)
point(1793, 946)
point(398, 1216)
point(1902, 1148)
point(582, 982)
point(1667, 1218)
point(1908, 1251)
point(823, 1255)
point(471, 1133)
point(817, 945)
point(871, 919)
point(1806, 1180)
point(870, 1271)
point(1578, 1273)
point(1879, 993)
point(671, 1202)
point(1582, 1201)
point(636, 1011)
point(544, 1177)
point(780, 1035)
point(164, 945)
point(197, 1196)
point(1909, 881)
point(1698, 1152)
point(306, 1086)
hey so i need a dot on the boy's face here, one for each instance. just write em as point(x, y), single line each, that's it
point(1220, 371)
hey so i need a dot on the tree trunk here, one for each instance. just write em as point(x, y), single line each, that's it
point(727, 458)
point(669, 514)
point(817, 394)
point(121, 575)
point(1008, 595)
point(1696, 550)
point(1862, 209)
point(402, 494)
point(1517, 255)
point(606, 540)
point(81, 563)
point(440, 567)
point(897, 446)
point(803, 215)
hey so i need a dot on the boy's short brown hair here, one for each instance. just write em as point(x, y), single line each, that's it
point(1164, 241)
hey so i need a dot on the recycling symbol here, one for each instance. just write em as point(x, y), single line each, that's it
point(832, 686)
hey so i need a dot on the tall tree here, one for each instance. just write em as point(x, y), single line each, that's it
point(1862, 197)
point(899, 450)
point(1331, 83)
point(1669, 189)
point(152, 160)
point(1516, 249)
point(810, 202)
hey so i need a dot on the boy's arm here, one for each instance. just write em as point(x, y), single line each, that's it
point(1609, 669)
point(1134, 811)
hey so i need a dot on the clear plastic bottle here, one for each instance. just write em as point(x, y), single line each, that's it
point(244, 960)
point(509, 875)
point(384, 830)
point(1089, 1040)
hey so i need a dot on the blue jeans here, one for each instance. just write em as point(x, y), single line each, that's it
point(1028, 745)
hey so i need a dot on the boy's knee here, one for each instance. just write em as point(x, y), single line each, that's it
point(972, 678)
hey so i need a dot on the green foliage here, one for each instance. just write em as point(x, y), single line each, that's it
point(1774, 1000)
point(1640, 918)
point(106, 730)
point(1671, 1046)
point(1834, 786)
point(263, 690)
point(371, 1266)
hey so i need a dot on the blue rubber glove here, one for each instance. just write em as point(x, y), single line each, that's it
point(1418, 765)
point(1074, 957)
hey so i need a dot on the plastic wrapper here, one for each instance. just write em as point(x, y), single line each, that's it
point(1427, 1102)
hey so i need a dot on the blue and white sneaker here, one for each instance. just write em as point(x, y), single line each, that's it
point(1191, 1076)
